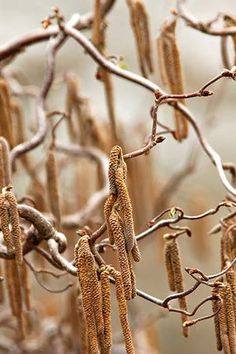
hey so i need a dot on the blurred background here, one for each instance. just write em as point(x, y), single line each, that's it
point(199, 191)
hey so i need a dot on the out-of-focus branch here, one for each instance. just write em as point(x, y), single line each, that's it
point(206, 27)
point(106, 64)
point(36, 36)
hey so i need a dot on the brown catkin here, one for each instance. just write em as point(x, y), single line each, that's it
point(83, 334)
point(109, 203)
point(15, 226)
point(123, 312)
point(126, 208)
point(140, 26)
point(136, 254)
point(168, 264)
point(223, 325)
point(5, 113)
point(115, 156)
point(117, 232)
point(2, 172)
point(171, 70)
point(4, 216)
point(14, 294)
point(132, 277)
point(53, 186)
point(179, 284)
point(215, 307)
point(91, 292)
point(106, 310)
point(1, 283)
point(25, 283)
point(99, 40)
point(231, 279)
point(6, 160)
point(230, 318)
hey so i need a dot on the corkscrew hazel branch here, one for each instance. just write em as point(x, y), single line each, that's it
point(206, 28)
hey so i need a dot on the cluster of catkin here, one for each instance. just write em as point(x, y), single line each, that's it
point(174, 272)
point(16, 274)
point(119, 220)
point(225, 318)
point(171, 71)
point(94, 305)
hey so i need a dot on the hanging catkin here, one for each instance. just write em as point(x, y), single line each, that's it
point(177, 276)
point(6, 161)
point(126, 208)
point(231, 280)
point(140, 26)
point(230, 318)
point(168, 264)
point(5, 113)
point(223, 325)
point(215, 307)
point(53, 186)
point(14, 294)
point(4, 217)
point(123, 312)
point(25, 283)
point(117, 232)
point(171, 71)
point(99, 40)
point(106, 309)
point(91, 292)
point(81, 322)
point(15, 226)
point(107, 212)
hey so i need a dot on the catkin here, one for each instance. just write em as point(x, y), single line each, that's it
point(6, 160)
point(2, 172)
point(231, 279)
point(230, 318)
point(178, 278)
point(53, 186)
point(91, 292)
point(15, 226)
point(4, 216)
point(123, 312)
point(215, 307)
point(140, 26)
point(109, 203)
point(14, 294)
point(1, 284)
point(117, 231)
point(168, 264)
point(115, 156)
point(223, 326)
point(25, 283)
point(171, 71)
point(83, 334)
point(126, 208)
point(5, 113)
point(106, 310)
point(99, 40)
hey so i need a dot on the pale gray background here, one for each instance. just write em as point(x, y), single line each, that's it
point(201, 61)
